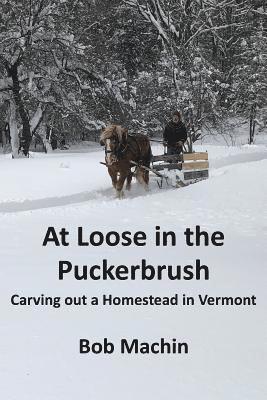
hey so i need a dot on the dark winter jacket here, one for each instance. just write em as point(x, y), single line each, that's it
point(173, 133)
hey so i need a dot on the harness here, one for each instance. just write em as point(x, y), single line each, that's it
point(120, 149)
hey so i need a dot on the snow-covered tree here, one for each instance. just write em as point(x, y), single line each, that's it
point(43, 64)
point(74, 65)
point(250, 79)
point(202, 44)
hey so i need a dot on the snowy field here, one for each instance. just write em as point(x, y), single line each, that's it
point(39, 346)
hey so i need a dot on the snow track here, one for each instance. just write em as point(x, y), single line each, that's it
point(99, 196)
point(49, 202)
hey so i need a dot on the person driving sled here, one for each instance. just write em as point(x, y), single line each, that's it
point(175, 134)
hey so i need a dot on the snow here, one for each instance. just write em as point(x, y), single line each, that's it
point(44, 172)
point(39, 346)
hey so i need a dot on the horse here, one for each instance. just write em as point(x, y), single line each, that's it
point(120, 150)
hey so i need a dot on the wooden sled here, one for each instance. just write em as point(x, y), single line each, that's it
point(181, 170)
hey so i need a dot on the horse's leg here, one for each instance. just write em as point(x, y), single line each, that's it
point(129, 180)
point(147, 164)
point(142, 177)
point(146, 178)
point(119, 185)
point(113, 174)
point(114, 180)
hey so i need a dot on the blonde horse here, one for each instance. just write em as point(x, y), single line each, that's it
point(121, 149)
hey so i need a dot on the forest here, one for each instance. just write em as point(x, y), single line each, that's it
point(70, 67)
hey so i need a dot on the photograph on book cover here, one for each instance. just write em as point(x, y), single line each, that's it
point(133, 222)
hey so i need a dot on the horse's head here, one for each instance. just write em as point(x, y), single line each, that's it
point(114, 138)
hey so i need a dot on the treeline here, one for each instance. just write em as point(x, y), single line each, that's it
point(71, 66)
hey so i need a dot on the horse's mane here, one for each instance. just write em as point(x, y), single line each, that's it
point(114, 131)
